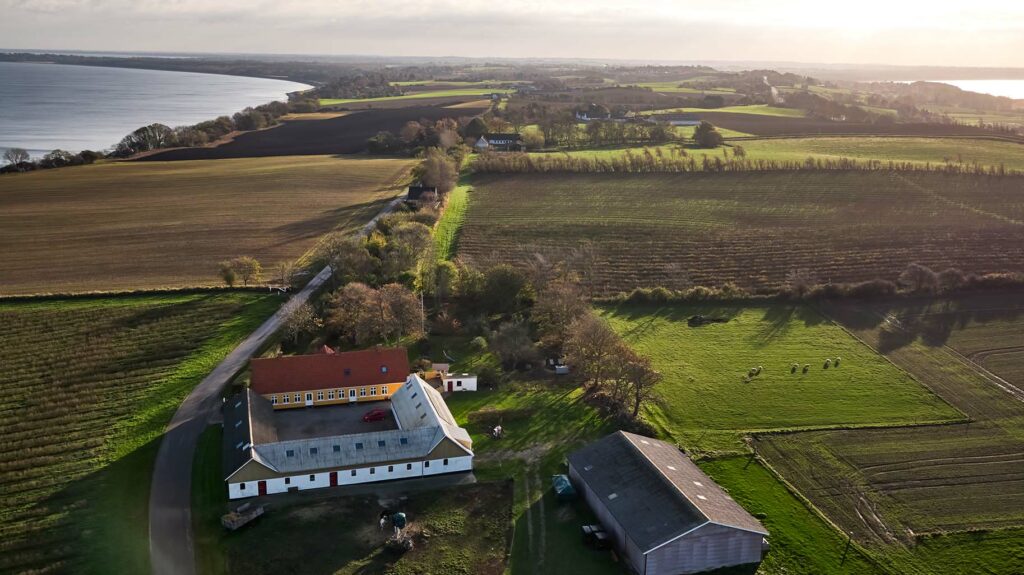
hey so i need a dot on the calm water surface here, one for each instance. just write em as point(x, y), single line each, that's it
point(49, 106)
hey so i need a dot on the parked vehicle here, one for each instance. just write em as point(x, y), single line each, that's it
point(377, 414)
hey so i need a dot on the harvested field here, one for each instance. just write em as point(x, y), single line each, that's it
point(418, 93)
point(749, 228)
point(707, 399)
point(342, 135)
point(890, 486)
point(130, 225)
point(88, 386)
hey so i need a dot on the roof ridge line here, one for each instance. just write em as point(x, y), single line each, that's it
point(662, 475)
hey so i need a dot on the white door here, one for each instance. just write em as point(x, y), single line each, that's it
point(309, 399)
point(352, 395)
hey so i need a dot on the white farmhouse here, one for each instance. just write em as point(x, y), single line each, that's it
point(458, 381)
point(423, 439)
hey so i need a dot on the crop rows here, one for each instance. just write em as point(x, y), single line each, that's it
point(75, 374)
point(750, 228)
point(892, 484)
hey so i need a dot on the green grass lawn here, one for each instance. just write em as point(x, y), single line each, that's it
point(915, 150)
point(450, 93)
point(705, 403)
point(95, 381)
point(446, 231)
point(756, 109)
point(209, 502)
point(801, 542)
point(678, 88)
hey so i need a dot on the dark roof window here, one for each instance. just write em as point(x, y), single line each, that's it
point(359, 445)
point(289, 453)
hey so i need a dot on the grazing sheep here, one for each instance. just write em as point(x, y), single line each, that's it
point(794, 367)
point(752, 372)
point(828, 363)
point(837, 361)
point(759, 368)
point(807, 367)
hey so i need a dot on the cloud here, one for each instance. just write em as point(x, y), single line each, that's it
point(902, 31)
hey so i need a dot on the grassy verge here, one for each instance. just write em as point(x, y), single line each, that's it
point(209, 500)
point(446, 234)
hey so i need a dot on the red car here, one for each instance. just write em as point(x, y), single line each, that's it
point(375, 415)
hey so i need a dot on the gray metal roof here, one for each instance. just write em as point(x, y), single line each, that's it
point(348, 450)
point(653, 490)
point(417, 404)
point(247, 421)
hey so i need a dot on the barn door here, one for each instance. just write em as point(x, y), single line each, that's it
point(334, 479)
point(451, 386)
point(262, 487)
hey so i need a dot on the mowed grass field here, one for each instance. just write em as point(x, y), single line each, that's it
point(757, 109)
point(901, 491)
point(674, 230)
point(130, 225)
point(417, 95)
point(88, 386)
point(706, 402)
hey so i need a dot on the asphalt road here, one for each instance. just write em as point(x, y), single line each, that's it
point(171, 549)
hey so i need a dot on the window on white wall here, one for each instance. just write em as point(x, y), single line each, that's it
point(373, 470)
point(287, 480)
point(353, 473)
point(408, 467)
point(241, 486)
point(391, 468)
point(446, 461)
point(312, 477)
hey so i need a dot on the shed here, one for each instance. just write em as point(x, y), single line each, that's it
point(421, 192)
point(663, 514)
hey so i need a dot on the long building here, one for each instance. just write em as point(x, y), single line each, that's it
point(266, 452)
point(664, 515)
point(329, 378)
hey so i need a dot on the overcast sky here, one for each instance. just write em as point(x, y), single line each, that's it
point(935, 32)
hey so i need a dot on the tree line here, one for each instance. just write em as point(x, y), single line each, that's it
point(677, 160)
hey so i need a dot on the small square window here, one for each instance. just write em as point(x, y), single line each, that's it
point(458, 384)
point(313, 450)
point(408, 467)
point(359, 445)
point(403, 440)
point(312, 477)
point(391, 468)
point(426, 464)
point(337, 449)
point(446, 461)
point(353, 473)
point(381, 443)
point(241, 486)
point(289, 453)
point(373, 470)
point(287, 480)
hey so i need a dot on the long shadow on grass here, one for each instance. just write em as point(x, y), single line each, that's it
point(103, 524)
point(325, 221)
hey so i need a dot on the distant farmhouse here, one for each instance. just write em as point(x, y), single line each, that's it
point(677, 119)
point(499, 143)
point(273, 448)
point(662, 512)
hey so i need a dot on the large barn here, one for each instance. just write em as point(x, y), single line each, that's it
point(273, 451)
point(664, 515)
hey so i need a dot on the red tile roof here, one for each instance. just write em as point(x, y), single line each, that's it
point(322, 371)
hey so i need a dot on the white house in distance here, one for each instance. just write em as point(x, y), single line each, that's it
point(663, 514)
point(273, 451)
point(499, 143)
point(458, 381)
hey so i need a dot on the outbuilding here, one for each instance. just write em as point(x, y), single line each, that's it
point(458, 381)
point(663, 514)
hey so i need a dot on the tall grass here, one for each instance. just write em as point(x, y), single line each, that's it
point(446, 234)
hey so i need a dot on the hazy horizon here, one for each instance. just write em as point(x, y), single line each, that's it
point(872, 33)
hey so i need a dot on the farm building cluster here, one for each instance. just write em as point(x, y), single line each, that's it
point(272, 447)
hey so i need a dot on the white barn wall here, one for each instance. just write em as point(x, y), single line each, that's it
point(345, 477)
